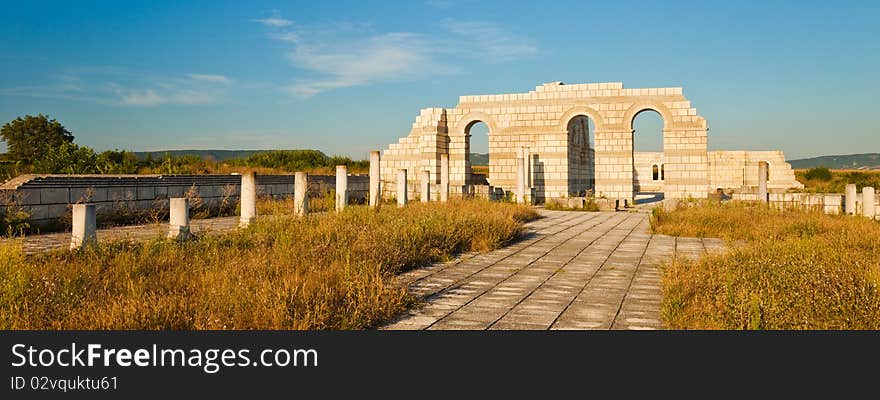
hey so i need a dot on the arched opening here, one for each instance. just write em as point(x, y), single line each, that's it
point(477, 150)
point(581, 155)
point(648, 159)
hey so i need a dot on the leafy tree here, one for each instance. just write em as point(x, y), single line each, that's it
point(68, 158)
point(28, 139)
point(117, 162)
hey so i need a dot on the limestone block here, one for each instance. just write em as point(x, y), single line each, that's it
point(300, 194)
point(56, 211)
point(146, 192)
point(375, 179)
point(178, 222)
point(89, 194)
point(84, 228)
point(54, 196)
point(868, 202)
point(402, 194)
point(850, 206)
point(37, 211)
point(341, 187)
point(248, 198)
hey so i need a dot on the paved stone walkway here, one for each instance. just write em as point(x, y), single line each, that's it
point(39, 243)
point(574, 270)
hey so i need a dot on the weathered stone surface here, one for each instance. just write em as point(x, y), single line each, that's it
point(248, 198)
point(301, 193)
point(850, 199)
point(402, 192)
point(178, 221)
point(341, 187)
point(84, 227)
point(575, 270)
point(868, 204)
point(551, 123)
point(425, 195)
point(50, 194)
point(375, 179)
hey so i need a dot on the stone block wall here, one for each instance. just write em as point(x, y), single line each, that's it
point(48, 197)
point(539, 121)
point(829, 203)
point(643, 171)
point(737, 170)
point(421, 151)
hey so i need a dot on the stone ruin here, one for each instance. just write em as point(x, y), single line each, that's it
point(548, 129)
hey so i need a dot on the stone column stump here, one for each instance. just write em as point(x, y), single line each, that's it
point(84, 230)
point(300, 194)
point(375, 179)
point(178, 221)
point(248, 199)
point(869, 208)
point(341, 187)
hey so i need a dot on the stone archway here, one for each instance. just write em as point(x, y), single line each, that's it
point(648, 155)
point(459, 149)
point(537, 123)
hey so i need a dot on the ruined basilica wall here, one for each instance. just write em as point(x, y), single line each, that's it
point(739, 169)
point(539, 121)
point(643, 170)
point(736, 170)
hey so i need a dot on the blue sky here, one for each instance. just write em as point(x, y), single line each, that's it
point(348, 77)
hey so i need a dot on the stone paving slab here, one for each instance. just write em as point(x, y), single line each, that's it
point(574, 270)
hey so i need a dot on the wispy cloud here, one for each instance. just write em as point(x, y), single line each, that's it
point(115, 86)
point(491, 39)
point(193, 89)
point(210, 78)
point(350, 55)
point(379, 58)
point(275, 21)
point(285, 37)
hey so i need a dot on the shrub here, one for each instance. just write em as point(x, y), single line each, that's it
point(819, 174)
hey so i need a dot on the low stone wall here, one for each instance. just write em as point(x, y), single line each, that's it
point(736, 170)
point(829, 203)
point(47, 198)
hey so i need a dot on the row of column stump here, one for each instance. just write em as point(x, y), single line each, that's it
point(869, 207)
point(85, 228)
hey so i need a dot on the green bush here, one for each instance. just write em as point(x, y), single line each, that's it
point(819, 174)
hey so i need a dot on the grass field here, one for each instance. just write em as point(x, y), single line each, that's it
point(785, 270)
point(329, 271)
point(836, 180)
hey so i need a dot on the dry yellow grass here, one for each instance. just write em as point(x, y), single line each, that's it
point(329, 271)
point(791, 270)
point(839, 179)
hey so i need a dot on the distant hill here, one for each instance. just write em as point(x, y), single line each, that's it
point(852, 161)
point(219, 155)
point(479, 159)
